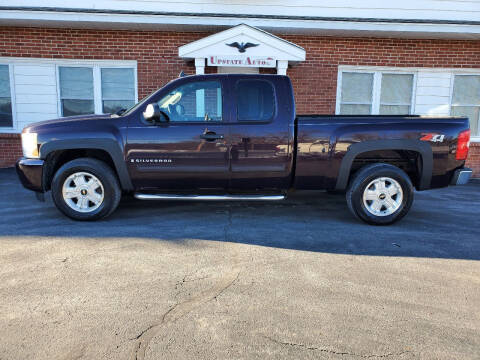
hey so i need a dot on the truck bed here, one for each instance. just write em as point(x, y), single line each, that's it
point(323, 141)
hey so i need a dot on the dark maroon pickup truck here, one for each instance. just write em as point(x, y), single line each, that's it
point(237, 137)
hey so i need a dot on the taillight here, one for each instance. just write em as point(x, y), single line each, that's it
point(463, 145)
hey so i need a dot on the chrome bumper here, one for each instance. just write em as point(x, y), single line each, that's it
point(461, 176)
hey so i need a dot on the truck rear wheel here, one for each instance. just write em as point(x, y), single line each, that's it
point(86, 189)
point(380, 194)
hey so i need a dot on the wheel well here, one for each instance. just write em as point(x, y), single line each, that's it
point(60, 157)
point(408, 160)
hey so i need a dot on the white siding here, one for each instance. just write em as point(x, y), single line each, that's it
point(433, 92)
point(407, 9)
point(35, 93)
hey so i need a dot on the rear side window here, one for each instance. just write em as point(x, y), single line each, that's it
point(255, 100)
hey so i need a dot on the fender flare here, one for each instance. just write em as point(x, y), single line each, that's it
point(109, 145)
point(422, 147)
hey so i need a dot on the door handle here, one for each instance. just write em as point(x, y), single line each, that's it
point(211, 136)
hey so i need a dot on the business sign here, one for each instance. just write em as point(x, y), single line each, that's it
point(243, 61)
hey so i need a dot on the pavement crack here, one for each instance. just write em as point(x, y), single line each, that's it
point(335, 352)
point(226, 287)
point(142, 332)
point(179, 310)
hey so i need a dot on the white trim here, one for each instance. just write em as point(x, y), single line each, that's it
point(339, 90)
point(473, 138)
point(96, 66)
point(97, 82)
point(406, 69)
point(59, 100)
point(287, 50)
point(282, 66)
point(214, 45)
point(80, 62)
point(413, 106)
point(451, 72)
point(97, 90)
point(196, 23)
point(200, 66)
point(376, 86)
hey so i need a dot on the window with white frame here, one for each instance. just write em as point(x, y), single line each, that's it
point(6, 119)
point(375, 92)
point(118, 89)
point(76, 90)
point(466, 100)
point(356, 93)
point(93, 89)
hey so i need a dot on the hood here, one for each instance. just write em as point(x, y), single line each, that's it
point(70, 120)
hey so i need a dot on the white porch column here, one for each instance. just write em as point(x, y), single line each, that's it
point(200, 66)
point(200, 94)
point(282, 66)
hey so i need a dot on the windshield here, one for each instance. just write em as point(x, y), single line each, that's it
point(140, 103)
point(176, 96)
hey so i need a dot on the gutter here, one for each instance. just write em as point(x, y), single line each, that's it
point(243, 16)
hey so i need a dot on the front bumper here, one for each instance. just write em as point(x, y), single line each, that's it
point(461, 176)
point(30, 172)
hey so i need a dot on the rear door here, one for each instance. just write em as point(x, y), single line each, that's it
point(190, 152)
point(261, 133)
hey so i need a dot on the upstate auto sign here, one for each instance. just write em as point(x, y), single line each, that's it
point(240, 60)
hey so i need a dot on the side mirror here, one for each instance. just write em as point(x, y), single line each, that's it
point(153, 114)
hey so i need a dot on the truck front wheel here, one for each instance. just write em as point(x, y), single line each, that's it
point(86, 189)
point(380, 194)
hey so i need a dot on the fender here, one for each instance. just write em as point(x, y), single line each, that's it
point(109, 145)
point(354, 150)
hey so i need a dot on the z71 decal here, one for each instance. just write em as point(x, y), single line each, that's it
point(432, 137)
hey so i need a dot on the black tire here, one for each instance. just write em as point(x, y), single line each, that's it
point(103, 172)
point(363, 178)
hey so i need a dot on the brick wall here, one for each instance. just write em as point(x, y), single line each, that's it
point(318, 74)
point(314, 80)
point(474, 159)
point(10, 149)
point(155, 52)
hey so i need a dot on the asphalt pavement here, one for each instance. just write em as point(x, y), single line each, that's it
point(299, 279)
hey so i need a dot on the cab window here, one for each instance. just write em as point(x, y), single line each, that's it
point(194, 102)
point(255, 100)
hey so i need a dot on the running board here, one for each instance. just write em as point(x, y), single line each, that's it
point(141, 196)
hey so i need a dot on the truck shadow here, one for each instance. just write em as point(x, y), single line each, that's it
point(442, 223)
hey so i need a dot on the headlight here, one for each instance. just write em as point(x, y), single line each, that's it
point(29, 145)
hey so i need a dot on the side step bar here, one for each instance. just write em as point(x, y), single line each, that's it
point(141, 196)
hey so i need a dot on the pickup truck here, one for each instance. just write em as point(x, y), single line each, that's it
point(237, 137)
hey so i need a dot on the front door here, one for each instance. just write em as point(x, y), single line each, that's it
point(190, 151)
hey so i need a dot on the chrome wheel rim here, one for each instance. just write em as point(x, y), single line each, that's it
point(83, 192)
point(383, 196)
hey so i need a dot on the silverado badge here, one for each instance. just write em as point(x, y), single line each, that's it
point(150, 161)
